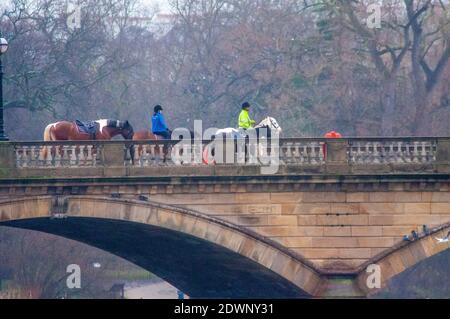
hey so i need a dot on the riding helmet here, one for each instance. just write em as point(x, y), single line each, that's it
point(245, 105)
point(157, 108)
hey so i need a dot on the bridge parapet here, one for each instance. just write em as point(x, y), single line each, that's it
point(340, 204)
point(293, 155)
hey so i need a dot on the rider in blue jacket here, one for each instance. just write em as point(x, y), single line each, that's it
point(159, 126)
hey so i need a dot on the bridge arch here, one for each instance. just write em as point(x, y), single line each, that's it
point(126, 227)
point(403, 256)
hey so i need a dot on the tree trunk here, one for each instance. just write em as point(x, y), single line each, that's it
point(388, 106)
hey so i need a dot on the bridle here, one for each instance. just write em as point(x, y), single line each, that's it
point(274, 123)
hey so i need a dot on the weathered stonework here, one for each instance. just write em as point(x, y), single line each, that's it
point(317, 217)
point(328, 232)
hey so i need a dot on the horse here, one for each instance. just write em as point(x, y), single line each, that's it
point(69, 131)
point(269, 124)
point(146, 135)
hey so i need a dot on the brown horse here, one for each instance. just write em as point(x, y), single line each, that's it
point(69, 131)
point(145, 135)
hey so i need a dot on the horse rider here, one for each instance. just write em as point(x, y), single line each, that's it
point(159, 126)
point(245, 122)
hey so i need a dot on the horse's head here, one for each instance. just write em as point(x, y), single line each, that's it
point(126, 130)
point(271, 124)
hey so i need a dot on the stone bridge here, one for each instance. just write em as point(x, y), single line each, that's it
point(333, 208)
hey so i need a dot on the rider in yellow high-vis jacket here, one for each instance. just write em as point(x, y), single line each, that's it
point(245, 122)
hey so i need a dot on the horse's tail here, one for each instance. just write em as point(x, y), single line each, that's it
point(47, 133)
point(47, 138)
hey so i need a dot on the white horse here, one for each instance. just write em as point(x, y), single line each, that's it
point(269, 123)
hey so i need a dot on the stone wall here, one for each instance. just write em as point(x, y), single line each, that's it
point(334, 230)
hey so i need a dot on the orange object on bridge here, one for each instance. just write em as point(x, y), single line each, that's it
point(332, 134)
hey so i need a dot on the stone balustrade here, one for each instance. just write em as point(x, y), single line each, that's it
point(392, 151)
point(302, 152)
point(330, 156)
point(66, 154)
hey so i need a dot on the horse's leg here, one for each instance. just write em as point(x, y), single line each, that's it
point(165, 151)
point(140, 151)
point(132, 153)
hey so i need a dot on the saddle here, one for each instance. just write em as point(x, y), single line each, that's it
point(90, 128)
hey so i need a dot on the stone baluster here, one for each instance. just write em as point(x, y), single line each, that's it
point(82, 151)
point(296, 153)
point(37, 156)
point(284, 153)
point(354, 152)
point(31, 160)
point(73, 159)
point(383, 151)
point(321, 154)
point(374, 156)
point(406, 152)
point(400, 152)
point(98, 153)
point(358, 155)
point(83, 155)
point(145, 157)
point(433, 151)
point(18, 152)
point(57, 157)
point(423, 152)
point(301, 153)
point(364, 152)
point(150, 154)
point(415, 152)
point(49, 156)
point(313, 154)
point(137, 155)
point(310, 152)
point(397, 152)
point(42, 159)
point(169, 153)
point(389, 156)
point(25, 157)
point(290, 153)
point(66, 156)
point(89, 159)
point(157, 154)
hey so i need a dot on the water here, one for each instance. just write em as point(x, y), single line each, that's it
point(150, 290)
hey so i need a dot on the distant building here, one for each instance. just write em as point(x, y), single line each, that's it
point(162, 24)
